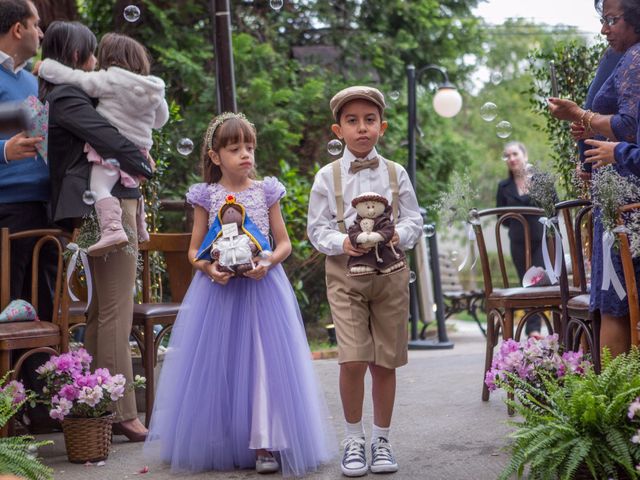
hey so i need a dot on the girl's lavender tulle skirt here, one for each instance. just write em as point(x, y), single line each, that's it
point(237, 377)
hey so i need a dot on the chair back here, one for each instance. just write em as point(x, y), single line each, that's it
point(503, 214)
point(41, 237)
point(175, 249)
point(630, 274)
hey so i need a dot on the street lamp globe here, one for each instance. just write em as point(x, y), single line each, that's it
point(447, 102)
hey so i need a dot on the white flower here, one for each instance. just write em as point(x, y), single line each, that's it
point(90, 396)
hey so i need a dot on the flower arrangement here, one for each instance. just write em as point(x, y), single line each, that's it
point(18, 454)
point(610, 191)
point(72, 390)
point(532, 360)
point(581, 427)
point(542, 190)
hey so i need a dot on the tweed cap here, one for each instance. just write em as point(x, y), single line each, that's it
point(371, 94)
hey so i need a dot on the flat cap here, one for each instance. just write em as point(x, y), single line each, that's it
point(371, 94)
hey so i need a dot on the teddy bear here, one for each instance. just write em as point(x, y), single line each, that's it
point(373, 229)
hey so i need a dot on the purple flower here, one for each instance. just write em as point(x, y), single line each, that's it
point(69, 392)
point(16, 390)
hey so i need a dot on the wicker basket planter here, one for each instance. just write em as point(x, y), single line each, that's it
point(87, 439)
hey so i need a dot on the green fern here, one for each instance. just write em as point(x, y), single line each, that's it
point(577, 423)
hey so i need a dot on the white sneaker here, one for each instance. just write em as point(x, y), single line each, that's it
point(266, 464)
point(354, 460)
point(382, 459)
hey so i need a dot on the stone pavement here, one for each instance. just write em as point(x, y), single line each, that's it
point(441, 429)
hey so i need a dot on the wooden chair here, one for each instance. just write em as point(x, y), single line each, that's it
point(48, 335)
point(580, 326)
point(501, 303)
point(174, 247)
point(630, 280)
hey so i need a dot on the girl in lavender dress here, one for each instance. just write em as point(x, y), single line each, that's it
point(237, 388)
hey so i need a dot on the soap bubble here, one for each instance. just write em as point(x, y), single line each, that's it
point(89, 197)
point(503, 129)
point(453, 255)
point(112, 167)
point(184, 146)
point(334, 147)
point(394, 95)
point(412, 276)
point(496, 78)
point(131, 13)
point(488, 111)
point(276, 4)
point(429, 230)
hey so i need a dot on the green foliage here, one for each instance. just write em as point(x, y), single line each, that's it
point(578, 423)
point(17, 454)
point(576, 64)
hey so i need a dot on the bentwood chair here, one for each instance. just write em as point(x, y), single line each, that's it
point(630, 279)
point(21, 340)
point(174, 248)
point(580, 326)
point(502, 302)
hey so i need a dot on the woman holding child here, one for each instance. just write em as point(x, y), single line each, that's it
point(74, 123)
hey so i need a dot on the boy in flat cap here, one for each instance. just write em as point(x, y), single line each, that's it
point(370, 312)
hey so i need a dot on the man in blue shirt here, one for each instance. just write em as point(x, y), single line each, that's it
point(24, 177)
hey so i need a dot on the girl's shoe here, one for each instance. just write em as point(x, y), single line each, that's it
point(266, 464)
point(112, 235)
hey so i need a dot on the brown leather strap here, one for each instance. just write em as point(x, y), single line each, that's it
point(337, 188)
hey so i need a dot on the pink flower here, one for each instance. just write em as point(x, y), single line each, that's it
point(90, 396)
point(86, 381)
point(102, 376)
point(69, 392)
point(61, 409)
point(634, 408)
point(16, 390)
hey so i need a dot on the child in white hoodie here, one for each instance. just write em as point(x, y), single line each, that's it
point(133, 102)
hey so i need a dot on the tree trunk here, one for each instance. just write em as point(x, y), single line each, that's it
point(50, 10)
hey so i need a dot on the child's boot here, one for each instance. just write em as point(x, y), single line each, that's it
point(141, 222)
point(112, 235)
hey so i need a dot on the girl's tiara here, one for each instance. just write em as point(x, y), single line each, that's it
point(220, 119)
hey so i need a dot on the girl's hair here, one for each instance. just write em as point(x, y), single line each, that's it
point(520, 146)
point(70, 43)
point(117, 50)
point(224, 130)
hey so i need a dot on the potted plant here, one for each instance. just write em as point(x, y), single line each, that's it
point(582, 427)
point(82, 400)
point(18, 454)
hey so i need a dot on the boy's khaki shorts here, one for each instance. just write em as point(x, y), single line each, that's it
point(370, 314)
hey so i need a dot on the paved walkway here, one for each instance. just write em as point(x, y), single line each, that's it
point(441, 429)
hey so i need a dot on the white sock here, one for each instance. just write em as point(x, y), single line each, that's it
point(355, 429)
point(377, 431)
point(102, 181)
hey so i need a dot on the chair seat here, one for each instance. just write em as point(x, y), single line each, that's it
point(579, 302)
point(157, 311)
point(20, 330)
point(530, 293)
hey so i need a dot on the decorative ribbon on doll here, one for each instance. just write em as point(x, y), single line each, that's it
point(79, 252)
point(553, 271)
point(231, 246)
point(609, 275)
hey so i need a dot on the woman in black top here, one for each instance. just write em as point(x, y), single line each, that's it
point(513, 192)
point(74, 122)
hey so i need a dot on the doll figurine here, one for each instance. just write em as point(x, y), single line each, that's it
point(373, 229)
point(233, 240)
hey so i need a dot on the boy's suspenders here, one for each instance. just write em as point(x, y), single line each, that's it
point(337, 186)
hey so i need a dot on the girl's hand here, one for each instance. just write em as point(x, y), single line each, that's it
point(257, 273)
point(216, 275)
point(601, 154)
point(564, 109)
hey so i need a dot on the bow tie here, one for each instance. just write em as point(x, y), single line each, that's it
point(360, 164)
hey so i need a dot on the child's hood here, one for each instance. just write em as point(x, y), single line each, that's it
point(141, 90)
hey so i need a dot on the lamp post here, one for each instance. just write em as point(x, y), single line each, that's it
point(225, 77)
point(447, 103)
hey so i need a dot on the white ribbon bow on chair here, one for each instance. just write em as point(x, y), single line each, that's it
point(553, 271)
point(471, 235)
point(609, 275)
point(77, 251)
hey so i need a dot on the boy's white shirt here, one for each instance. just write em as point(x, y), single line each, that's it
point(322, 227)
point(132, 103)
